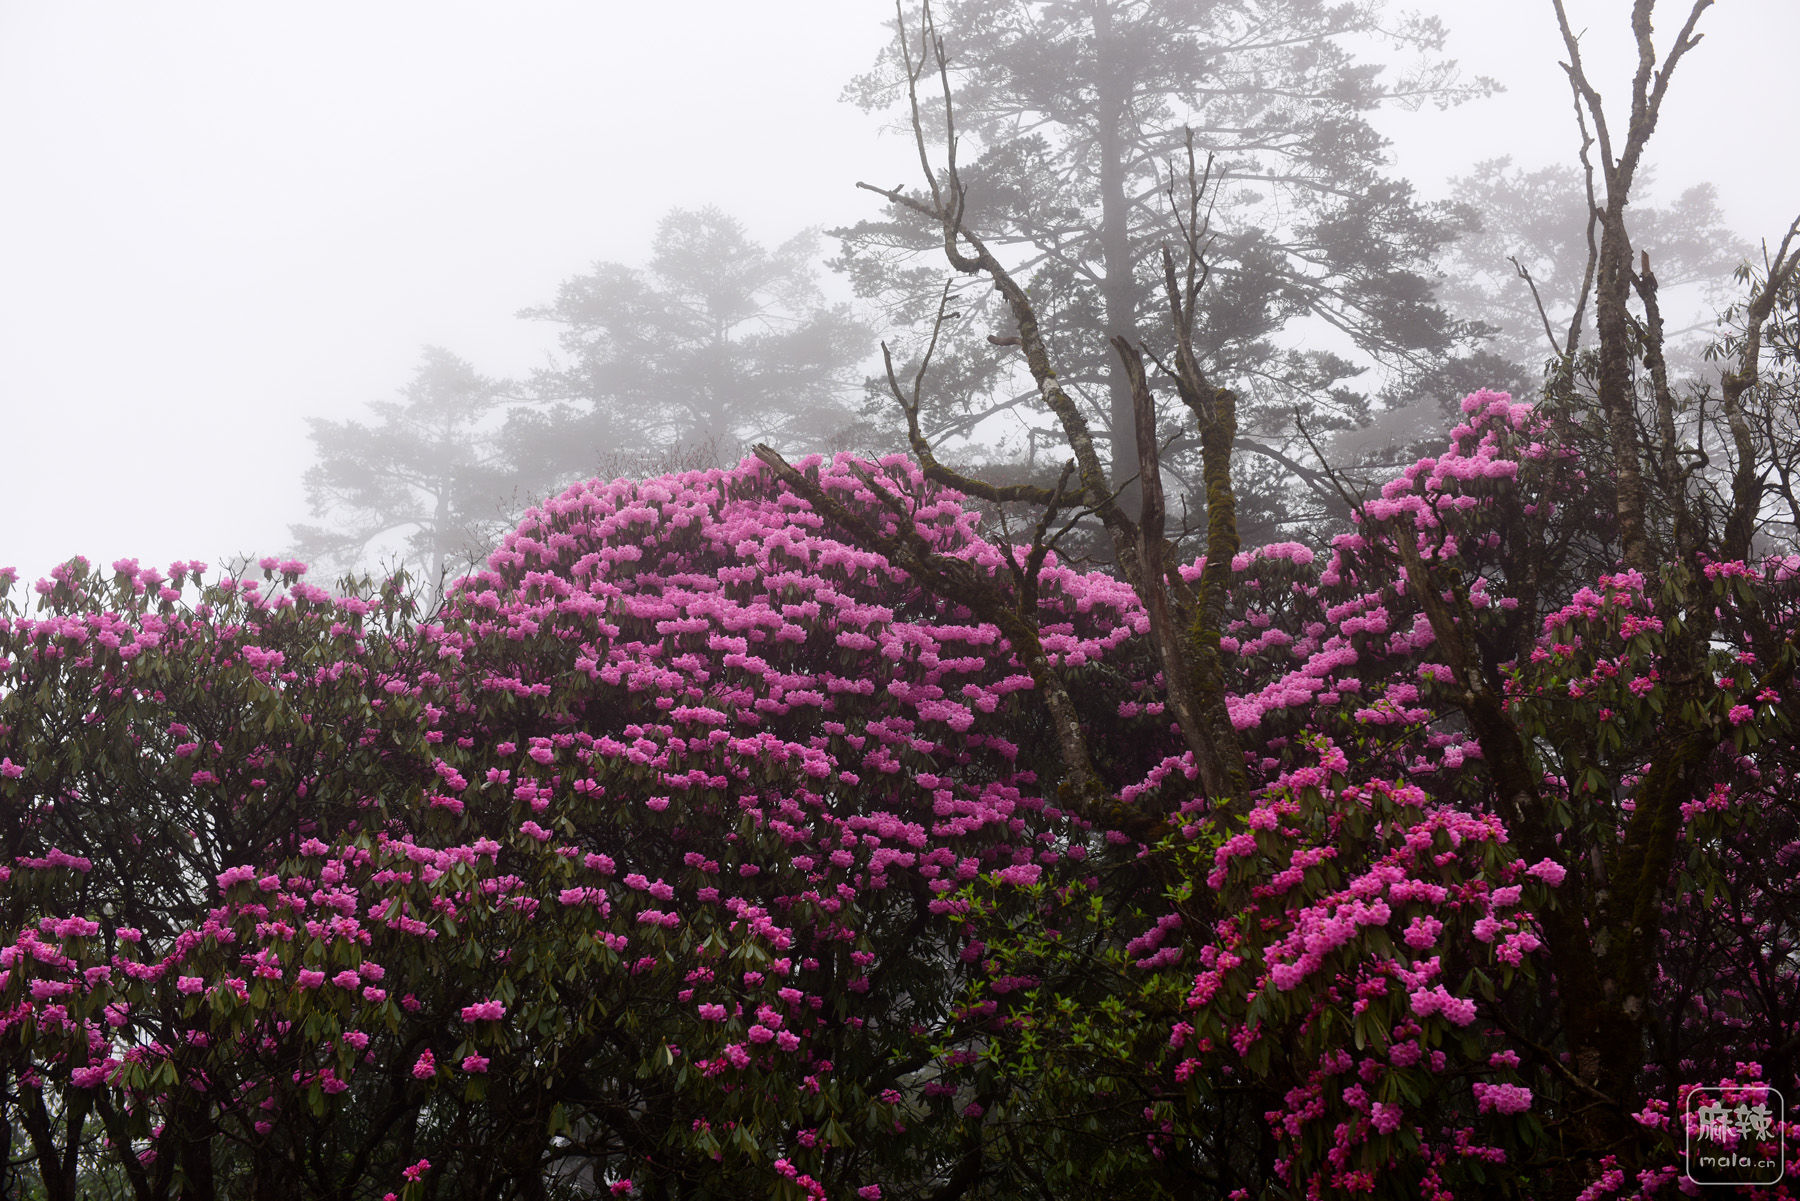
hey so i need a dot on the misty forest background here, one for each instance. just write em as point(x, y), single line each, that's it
point(1353, 313)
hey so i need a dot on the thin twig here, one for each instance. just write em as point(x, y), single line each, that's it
point(1537, 300)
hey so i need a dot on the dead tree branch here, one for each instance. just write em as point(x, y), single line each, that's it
point(1746, 482)
point(1614, 276)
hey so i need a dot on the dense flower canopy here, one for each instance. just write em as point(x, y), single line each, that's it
point(695, 845)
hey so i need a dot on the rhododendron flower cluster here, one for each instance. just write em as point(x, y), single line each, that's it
point(688, 800)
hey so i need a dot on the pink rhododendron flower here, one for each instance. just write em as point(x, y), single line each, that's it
point(1501, 1098)
point(1021, 874)
point(92, 1076)
point(1547, 870)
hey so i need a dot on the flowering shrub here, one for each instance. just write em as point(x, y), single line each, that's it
point(695, 840)
point(677, 761)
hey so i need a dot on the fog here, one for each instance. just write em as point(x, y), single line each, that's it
point(220, 219)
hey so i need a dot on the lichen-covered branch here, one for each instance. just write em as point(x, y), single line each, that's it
point(1746, 483)
point(967, 253)
point(1614, 274)
point(959, 582)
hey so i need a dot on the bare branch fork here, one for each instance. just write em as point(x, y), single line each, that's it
point(1746, 482)
point(1192, 667)
point(1190, 658)
point(910, 400)
point(968, 254)
point(1611, 267)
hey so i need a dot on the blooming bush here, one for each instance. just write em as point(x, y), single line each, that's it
point(693, 840)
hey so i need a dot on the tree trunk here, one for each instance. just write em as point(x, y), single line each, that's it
point(1617, 397)
point(1116, 287)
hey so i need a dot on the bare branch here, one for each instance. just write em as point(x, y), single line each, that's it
point(934, 469)
point(1746, 485)
point(1538, 301)
point(958, 581)
point(969, 254)
point(1612, 267)
point(1152, 590)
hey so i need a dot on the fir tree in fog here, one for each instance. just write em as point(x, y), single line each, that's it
point(1539, 218)
point(422, 481)
point(1072, 120)
point(716, 342)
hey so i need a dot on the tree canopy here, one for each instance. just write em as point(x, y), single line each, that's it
point(1075, 119)
point(427, 473)
point(1539, 219)
point(716, 341)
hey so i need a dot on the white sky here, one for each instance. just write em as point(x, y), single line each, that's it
point(219, 218)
